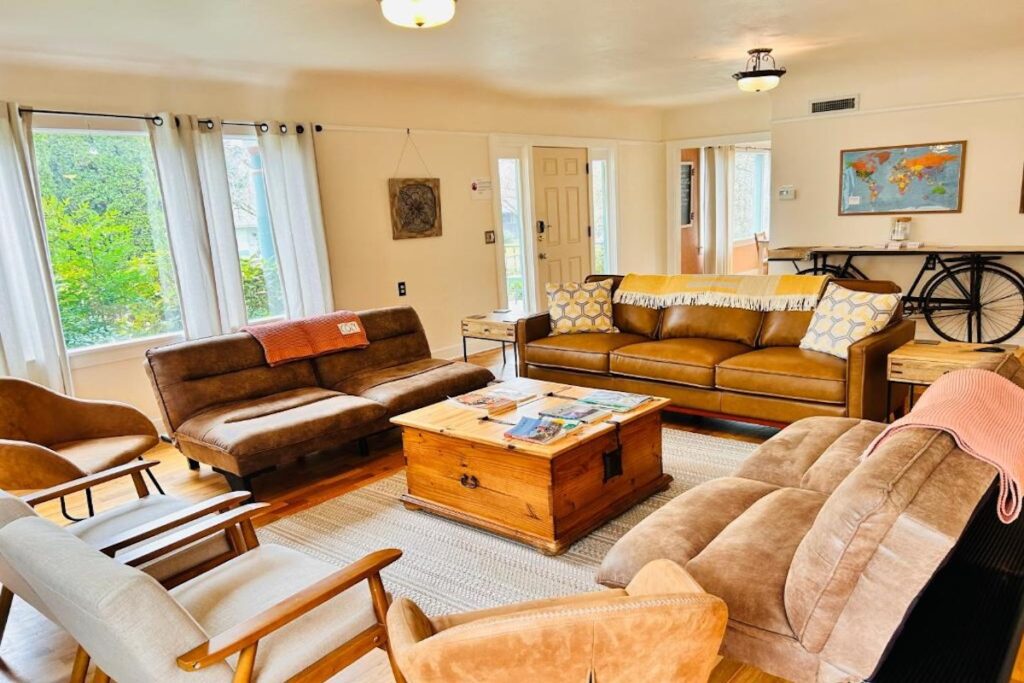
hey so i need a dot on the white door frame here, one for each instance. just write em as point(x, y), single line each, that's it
point(521, 147)
point(673, 149)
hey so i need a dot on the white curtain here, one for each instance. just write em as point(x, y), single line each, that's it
point(31, 344)
point(197, 202)
point(293, 195)
point(719, 169)
point(220, 219)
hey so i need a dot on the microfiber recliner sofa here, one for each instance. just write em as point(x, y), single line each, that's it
point(721, 361)
point(225, 406)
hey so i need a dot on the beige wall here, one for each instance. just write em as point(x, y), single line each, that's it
point(447, 277)
point(743, 113)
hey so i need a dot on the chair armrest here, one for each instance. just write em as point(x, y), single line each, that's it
point(662, 577)
point(191, 534)
point(250, 631)
point(216, 505)
point(528, 329)
point(27, 465)
point(867, 380)
point(87, 481)
point(91, 419)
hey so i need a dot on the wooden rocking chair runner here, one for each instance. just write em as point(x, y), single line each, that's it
point(287, 616)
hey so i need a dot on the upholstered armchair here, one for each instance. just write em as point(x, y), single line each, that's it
point(47, 438)
point(661, 627)
point(268, 615)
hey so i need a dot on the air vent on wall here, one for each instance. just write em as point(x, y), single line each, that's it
point(835, 104)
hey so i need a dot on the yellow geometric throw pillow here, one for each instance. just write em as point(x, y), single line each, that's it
point(844, 316)
point(580, 307)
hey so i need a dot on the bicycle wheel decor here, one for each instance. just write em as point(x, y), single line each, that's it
point(995, 315)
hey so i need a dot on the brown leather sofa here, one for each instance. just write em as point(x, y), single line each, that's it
point(720, 361)
point(224, 406)
point(818, 555)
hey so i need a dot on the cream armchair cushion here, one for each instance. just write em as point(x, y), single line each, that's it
point(662, 627)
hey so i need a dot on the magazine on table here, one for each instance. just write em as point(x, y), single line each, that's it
point(541, 430)
point(616, 401)
point(490, 402)
point(578, 412)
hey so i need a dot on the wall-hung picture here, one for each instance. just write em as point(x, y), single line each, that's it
point(920, 178)
point(415, 207)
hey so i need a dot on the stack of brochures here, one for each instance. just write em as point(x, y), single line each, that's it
point(494, 401)
point(615, 401)
point(541, 430)
point(578, 412)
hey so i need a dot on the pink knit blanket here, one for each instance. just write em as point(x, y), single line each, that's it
point(984, 413)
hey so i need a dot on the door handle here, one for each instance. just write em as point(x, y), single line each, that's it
point(542, 257)
point(540, 227)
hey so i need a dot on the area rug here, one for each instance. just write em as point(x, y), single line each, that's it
point(448, 567)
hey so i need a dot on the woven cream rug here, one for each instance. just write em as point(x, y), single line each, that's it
point(448, 567)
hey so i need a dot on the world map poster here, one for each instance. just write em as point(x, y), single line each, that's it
point(913, 179)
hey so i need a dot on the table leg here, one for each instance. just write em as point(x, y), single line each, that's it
point(503, 360)
point(465, 354)
point(888, 401)
point(515, 359)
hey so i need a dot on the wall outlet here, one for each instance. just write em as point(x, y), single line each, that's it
point(489, 237)
point(401, 289)
point(787, 193)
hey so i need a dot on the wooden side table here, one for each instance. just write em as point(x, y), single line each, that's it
point(921, 362)
point(499, 327)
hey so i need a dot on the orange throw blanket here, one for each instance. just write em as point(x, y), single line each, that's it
point(309, 337)
point(984, 413)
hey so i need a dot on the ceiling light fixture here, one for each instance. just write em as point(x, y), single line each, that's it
point(418, 13)
point(761, 72)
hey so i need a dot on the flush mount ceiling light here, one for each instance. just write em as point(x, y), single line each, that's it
point(418, 13)
point(761, 72)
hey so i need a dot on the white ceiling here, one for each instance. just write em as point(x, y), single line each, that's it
point(649, 52)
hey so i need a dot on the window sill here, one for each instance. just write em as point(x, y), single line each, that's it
point(131, 349)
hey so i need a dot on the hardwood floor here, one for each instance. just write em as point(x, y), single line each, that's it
point(36, 651)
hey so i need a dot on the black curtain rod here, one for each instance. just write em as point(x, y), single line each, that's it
point(158, 120)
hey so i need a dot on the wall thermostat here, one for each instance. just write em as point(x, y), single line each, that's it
point(787, 193)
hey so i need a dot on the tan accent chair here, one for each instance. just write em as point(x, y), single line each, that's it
point(123, 530)
point(819, 554)
point(47, 438)
point(269, 615)
point(661, 627)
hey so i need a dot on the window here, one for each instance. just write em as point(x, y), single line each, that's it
point(107, 235)
point(750, 200)
point(602, 211)
point(261, 277)
point(510, 187)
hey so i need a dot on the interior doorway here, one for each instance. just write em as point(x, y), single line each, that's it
point(691, 251)
point(562, 228)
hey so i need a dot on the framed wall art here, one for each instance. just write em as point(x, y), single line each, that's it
point(920, 178)
point(415, 207)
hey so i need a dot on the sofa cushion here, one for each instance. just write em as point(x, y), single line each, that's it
point(784, 328)
point(686, 361)
point(247, 428)
point(844, 317)
point(636, 319)
point(409, 386)
point(576, 307)
point(711, 322)
point(587, 351)
point(785, 372)
point(748, 563)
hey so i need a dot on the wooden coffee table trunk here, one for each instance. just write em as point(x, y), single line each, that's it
point(460, 467)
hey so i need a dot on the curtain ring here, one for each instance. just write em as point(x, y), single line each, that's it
point(299, 129)
point(209, 124)
point(284, 128)
point(318, 128)
point(264, 127)
point(158, 120)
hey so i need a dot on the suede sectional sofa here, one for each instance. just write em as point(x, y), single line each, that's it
point(818, 555)
point(720, 361)
point(225, 406)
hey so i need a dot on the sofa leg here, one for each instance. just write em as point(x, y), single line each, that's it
point(193, 464)
point(364, 447)
point(236, 482)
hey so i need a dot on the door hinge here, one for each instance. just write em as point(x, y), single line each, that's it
point(590, 231)
point(587, 166)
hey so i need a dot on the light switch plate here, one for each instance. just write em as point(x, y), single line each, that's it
point(787, 193)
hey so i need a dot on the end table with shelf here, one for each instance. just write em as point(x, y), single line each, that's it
point(921, 362)
point(498, 326)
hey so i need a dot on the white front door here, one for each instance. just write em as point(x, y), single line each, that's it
point(561, 197)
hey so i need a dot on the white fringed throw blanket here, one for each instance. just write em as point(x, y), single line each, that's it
point(750, 292)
